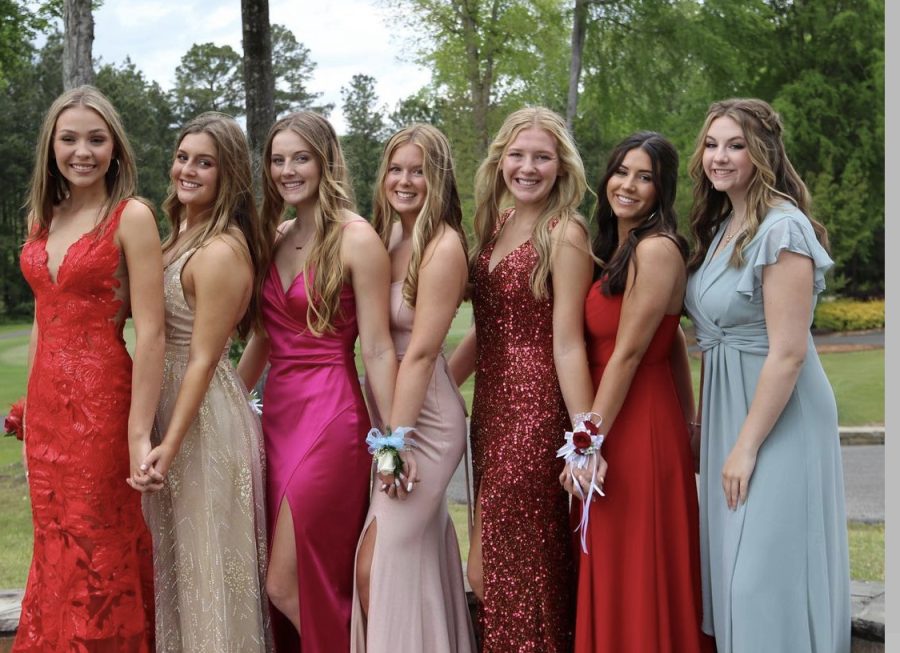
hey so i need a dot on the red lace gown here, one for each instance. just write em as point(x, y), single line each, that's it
point(639, 583)
point(90, 587)
point(518, 421)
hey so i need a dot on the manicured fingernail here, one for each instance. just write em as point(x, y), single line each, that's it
point(143, 468)
point(402, 477)
point(383, 487)
point(397, 482)
point(409, 486)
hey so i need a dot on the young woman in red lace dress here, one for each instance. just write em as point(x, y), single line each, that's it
point(93, 258)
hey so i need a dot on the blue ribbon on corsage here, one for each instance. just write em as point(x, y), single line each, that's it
point(386, 448)
point(582, 443)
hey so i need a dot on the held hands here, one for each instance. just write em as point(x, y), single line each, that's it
point(736, 475)
point(399, 486)
point(149, 466)
point(577, 482)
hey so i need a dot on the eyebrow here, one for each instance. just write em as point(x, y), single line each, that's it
point(99, 130)
point(649, 172)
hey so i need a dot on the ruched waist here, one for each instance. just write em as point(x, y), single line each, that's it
point(748, 338)
point(310, 358)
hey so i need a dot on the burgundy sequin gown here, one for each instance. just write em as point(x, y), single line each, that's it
point(90, 586)
point(518, 419)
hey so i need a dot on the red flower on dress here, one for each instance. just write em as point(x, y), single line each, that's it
point(14, 422)
point(581, 440)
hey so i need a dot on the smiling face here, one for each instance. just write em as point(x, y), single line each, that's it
point(82, 147)
point(195, 172)
point(294, 168)
point(530, 166)
point(630, 190)
point(726, 159)
point(404, 184)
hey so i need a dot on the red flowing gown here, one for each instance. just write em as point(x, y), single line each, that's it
point(90, 587)
point(639, 583)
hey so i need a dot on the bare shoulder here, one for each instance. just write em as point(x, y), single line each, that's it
point(572, 232)
point(137, 216)
point(225, 249)
point(282, 228)
point(445, 246)
point(658, 250)
point(358, 232)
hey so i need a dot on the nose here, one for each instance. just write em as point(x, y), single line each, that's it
point(720, 154)
point(81, 148)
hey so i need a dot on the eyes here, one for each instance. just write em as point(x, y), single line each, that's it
point(299, 158)
point(202, 162)
point(540, 156)
point(96, 140)
point(641, 176)
point(736, 145)
point(415, 172)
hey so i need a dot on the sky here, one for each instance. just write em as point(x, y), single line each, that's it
point(345, 37)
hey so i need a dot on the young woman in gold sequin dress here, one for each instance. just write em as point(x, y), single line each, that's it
point(208, 517)
point(530, 271)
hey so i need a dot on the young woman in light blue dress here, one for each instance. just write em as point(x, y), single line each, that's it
point(773, 533)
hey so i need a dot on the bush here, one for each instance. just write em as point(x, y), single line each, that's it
point(849, 315)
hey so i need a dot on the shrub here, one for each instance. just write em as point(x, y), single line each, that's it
point(849, 315)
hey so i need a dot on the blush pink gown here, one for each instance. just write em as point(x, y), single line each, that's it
point(315, 423)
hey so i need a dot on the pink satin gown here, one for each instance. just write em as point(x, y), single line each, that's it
point(315, 423)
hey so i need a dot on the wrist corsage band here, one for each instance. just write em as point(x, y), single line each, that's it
point(386, 448)
point(582, 443)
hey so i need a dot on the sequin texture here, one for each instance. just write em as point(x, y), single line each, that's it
point(518, 417)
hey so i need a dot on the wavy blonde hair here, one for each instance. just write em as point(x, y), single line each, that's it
point(491, 192)
point(48, 185)
point(334, 198)
point(234, 206)
point(774, 178)
point(442, 204)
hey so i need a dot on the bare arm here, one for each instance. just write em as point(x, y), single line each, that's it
point(219, 302)
point(681, 375)
point(462, 360)
point(571, 270)
point(787, 303)
point(253, 360)
point(139, 240)
point(646, 300)
point(367, 261)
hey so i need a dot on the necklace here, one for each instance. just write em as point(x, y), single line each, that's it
point(305, 240)
point(729, 237)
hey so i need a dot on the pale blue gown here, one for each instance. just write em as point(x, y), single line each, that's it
point(775, 572)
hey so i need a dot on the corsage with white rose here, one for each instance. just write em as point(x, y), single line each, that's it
point(582, 444)
point(386, 447)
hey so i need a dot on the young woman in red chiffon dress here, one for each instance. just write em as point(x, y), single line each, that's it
point(639, 574)
point(93, 258)
point(329, 282)
point(530, 269)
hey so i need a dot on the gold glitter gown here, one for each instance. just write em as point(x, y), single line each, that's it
point(518, 419)
point(208, 522)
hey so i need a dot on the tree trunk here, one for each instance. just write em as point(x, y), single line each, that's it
point(579, 25)
point(78, 67)
point(258, 78)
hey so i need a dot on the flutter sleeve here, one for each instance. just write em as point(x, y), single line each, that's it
point(782, 230)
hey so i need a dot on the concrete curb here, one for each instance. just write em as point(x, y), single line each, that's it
point(851, 435)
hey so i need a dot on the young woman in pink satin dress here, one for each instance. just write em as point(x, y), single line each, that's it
point(329, 282)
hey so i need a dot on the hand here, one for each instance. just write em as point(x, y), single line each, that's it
point(140, 479)
point(582, 483)
point(156, 465)
point(736, 475)
point(401, 485)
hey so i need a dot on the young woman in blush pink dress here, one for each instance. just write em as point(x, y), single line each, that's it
point(329, 283)
point(410, 593)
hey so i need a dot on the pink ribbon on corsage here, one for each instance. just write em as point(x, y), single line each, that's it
point(581, 444)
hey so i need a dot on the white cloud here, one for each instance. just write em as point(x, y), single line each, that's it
point(345, 37)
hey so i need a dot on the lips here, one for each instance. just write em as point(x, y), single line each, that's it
point(528, 183)
point(188, 185)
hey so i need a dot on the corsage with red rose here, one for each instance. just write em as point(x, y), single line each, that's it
point(14, 424)
point(386, 447)
point(582, 444)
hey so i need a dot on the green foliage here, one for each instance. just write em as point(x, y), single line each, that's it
point(292, 68)
point(363, 141)
point(209, 78)
point(849, 315)
point(866, 543)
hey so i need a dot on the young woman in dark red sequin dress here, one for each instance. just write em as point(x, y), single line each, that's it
point(530, 271)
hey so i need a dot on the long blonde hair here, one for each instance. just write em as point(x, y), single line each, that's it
point(334, 198)
point(442, 204)
point(774, 178)
point(48, 186)
point(234, 206)
point(562, 203)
